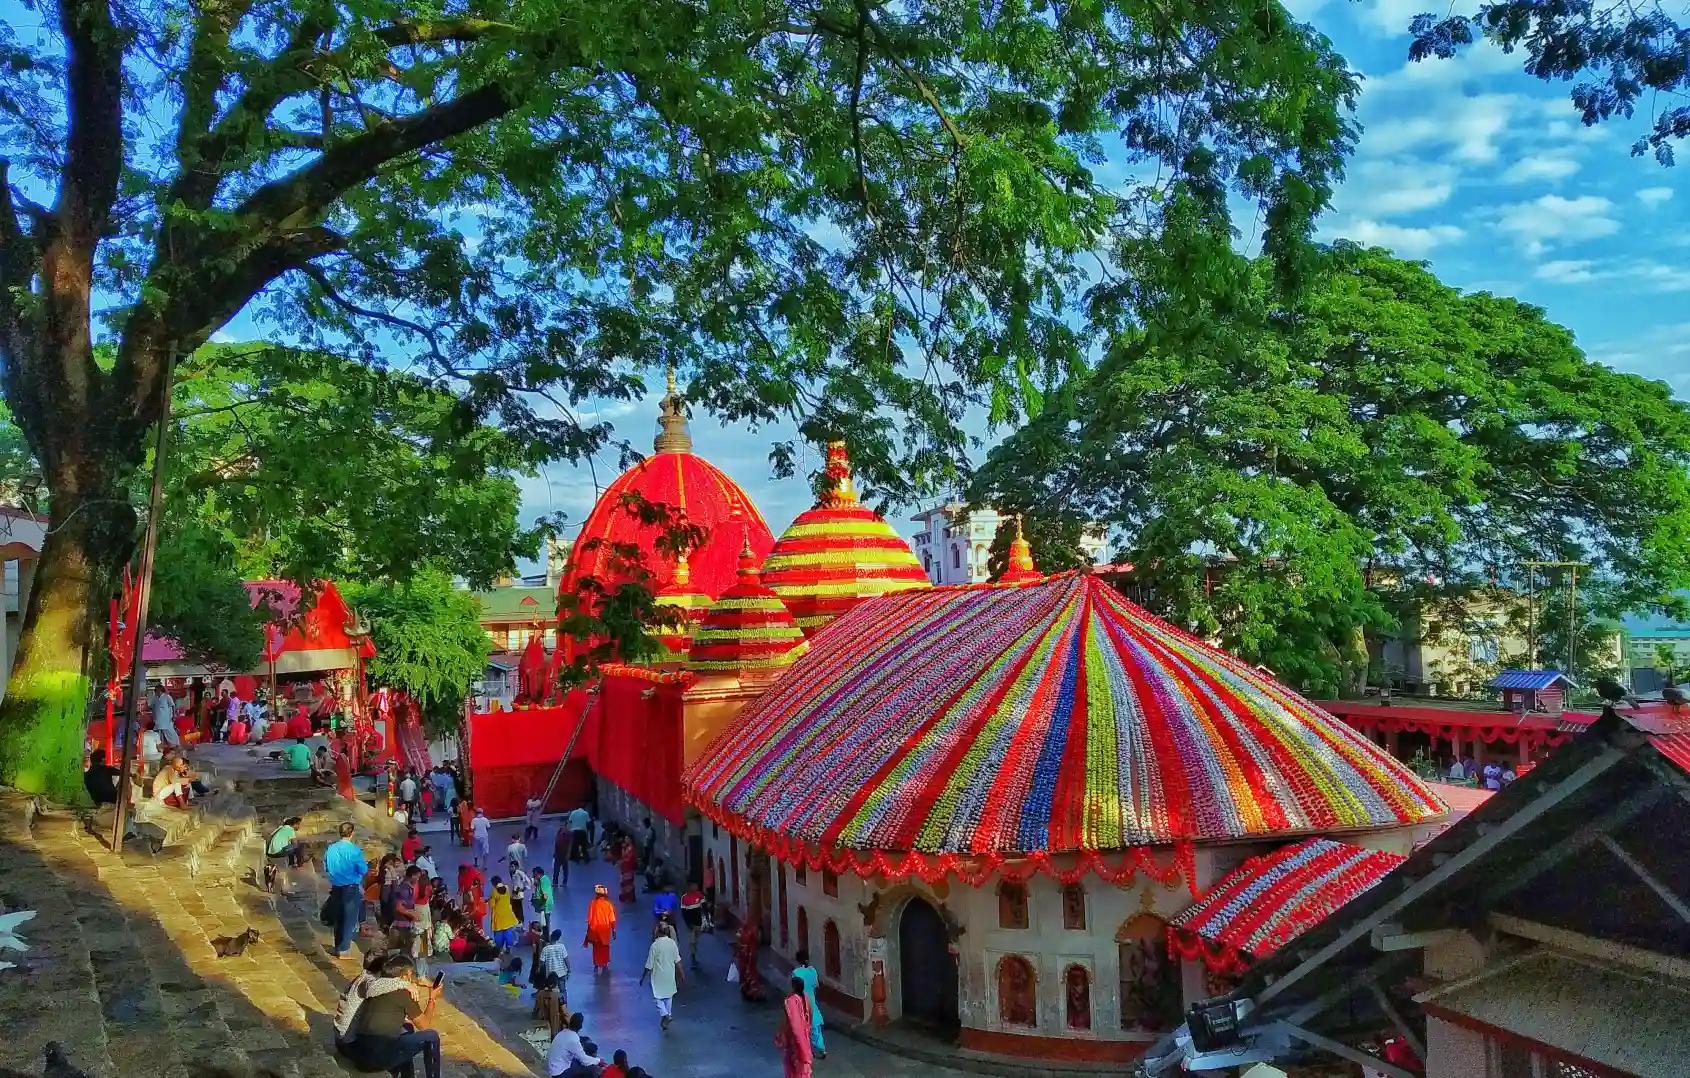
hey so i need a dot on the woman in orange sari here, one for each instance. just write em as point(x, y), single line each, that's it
point(601, 927)
point(466, 814)
point(793, 1034)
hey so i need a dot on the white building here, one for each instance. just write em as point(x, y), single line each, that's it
point(21, 536)
point(954, 545)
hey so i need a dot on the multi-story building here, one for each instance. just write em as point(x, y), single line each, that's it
point(954, 543)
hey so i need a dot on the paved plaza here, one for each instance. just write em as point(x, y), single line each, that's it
point(715, 1034)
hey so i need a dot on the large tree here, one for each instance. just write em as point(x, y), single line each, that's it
point(1293, 477)
point(841, 211)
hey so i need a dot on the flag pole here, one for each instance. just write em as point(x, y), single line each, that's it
point(144, 589)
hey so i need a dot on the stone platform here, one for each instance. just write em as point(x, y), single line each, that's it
point(121, 970)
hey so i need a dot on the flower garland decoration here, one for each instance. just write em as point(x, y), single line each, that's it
point(1042, 717)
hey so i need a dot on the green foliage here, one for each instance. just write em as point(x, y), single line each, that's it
point(199, 599)
point(1294, 477)
point(1618, 54)
point(311, 466)
point(429, 641)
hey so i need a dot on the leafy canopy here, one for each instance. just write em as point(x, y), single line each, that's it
point(429, 641)
point(824, 210)
point(1292, 477)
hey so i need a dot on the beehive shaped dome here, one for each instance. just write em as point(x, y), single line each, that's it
point(838, 553)
point(1047, 716)
point(747, 632)
point(686, 484)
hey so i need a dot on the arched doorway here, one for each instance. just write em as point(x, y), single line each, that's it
point(926, 967)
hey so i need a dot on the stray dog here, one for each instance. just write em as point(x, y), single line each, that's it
point(234, 946)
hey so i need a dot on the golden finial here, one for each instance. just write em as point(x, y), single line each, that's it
point(747, 557)
point(683, 575)
point(672, 433)
point(1019, 565)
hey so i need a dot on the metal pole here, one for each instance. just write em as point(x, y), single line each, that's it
point(149, 548)
point(1572, 620)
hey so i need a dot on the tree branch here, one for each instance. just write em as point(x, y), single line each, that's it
point(321, 280)
point(94, 141)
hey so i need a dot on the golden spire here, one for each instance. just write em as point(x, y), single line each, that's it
point(672, 433)
point(747, 557)
point(683, 575)
point(1020, 564)
point(841, 488)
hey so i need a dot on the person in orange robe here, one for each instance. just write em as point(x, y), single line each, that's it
point(466, 816)
point(299, 726)
point(601, 927)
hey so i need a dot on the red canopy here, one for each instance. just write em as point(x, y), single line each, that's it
point(317, 639)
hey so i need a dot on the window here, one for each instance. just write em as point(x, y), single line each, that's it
point(956, 557)
point(802, 943)
point(1074, 907)
point(830, 884)
point(1012, 905)
point(800, 875)
point(1017, 996)
point(1150, 997)
point(830, 950)
point(1076, 997)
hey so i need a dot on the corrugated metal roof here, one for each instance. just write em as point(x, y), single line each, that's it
point(1527, 679)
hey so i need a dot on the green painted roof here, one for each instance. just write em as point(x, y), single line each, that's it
point(517, 604)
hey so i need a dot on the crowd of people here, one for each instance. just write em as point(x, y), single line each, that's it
point(500, 914)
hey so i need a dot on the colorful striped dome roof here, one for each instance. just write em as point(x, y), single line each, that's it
point(748, 631)
point(838, 553)
point(1047, 716)
point(681, 608)
point(675, 477)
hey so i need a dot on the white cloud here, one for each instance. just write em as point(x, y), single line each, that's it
point(1391, 17)
point(1389, 187)
point(1568, 271)
point(1552, 219)
point(1638, 275)
point(1540, 166)
point(1303, 10)
point(1654, 196)
point(1404, 240)
point(1470, 128)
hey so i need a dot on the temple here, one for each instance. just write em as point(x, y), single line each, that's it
point(1026, 814)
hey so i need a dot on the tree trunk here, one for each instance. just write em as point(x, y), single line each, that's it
point(43, 718)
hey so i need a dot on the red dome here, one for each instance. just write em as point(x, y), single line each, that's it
point(838, 553)
point(674, 477)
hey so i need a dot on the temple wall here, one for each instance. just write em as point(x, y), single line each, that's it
point(867, 914)
point(619, 806)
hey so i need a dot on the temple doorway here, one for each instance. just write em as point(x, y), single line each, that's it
point(926, 967)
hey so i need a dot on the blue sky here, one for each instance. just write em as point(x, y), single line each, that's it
point(1468, 164)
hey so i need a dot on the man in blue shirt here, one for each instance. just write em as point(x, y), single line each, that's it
point(346, 867)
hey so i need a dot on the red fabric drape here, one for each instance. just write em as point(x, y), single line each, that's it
point(513, 754)
point(638, 744)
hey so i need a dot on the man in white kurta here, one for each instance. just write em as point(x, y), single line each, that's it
point(663, 966)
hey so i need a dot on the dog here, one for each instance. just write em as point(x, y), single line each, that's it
point(234, 946)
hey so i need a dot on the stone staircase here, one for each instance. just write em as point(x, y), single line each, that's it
point(121, 967)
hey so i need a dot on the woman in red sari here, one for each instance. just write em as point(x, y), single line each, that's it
point(745, 959)
point(626, 865)
point(793, 1034)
